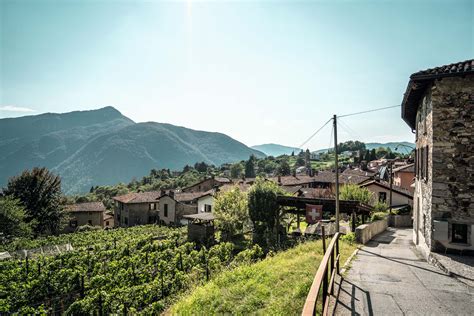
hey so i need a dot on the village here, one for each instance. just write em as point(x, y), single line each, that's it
point(237, 158)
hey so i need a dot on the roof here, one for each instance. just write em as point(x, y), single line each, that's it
point(86, 207)
point(220, 180)
point(386, 185)
point(108, 217)
point(406, 168)
point(141, 197)
point(420, 80)
point(201, 216)
point(316, 193)
point(189, 196)
point(291, 189)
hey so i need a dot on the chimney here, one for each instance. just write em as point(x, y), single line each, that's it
point(171, 194)
point(162, 192)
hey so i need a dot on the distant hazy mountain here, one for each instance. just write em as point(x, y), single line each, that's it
point(102, 147)
point(399, 147)
point(275, 149)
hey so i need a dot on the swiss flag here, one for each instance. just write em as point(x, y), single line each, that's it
point(314, 213)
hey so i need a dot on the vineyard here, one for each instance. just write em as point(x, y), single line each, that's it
point(130, 270)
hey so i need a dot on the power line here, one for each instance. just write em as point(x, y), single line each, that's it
point(368, 111)
point(349, 129)
point(314, 134)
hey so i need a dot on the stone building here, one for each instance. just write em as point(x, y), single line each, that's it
point(136, 209)
point(80, 214)
point(438, 105)
point(207, 184)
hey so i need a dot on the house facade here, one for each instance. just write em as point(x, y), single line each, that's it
point(404, 177)
point(438, 105)
point(381, 191)
point(136, 209)
point(80, 214)
point(207, 184)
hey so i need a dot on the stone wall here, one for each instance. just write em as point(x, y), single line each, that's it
point(400, 221)
point(451, 164)
point(366, 232)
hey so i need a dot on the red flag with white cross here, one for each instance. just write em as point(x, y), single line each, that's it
point(314, 213)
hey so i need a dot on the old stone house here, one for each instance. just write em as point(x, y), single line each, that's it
point(174, 205)
point(88, 213)
point(136, 209)
point(438, 106)
point(207, 184)
point(381, 191)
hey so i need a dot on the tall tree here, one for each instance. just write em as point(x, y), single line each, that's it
point(373, 155)
point(39, 191)
point(236, 170)
point(284, 168)
point(231, 212)
point(250, 167)
point(12, 219)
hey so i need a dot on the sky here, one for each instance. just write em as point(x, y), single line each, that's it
point(258, 71)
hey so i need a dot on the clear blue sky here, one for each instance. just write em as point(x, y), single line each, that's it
point(258, 71)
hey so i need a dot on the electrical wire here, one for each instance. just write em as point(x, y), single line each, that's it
point(314, 134)
point(368, 111)
point(349, 130)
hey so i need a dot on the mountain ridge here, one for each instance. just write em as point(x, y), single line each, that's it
point(103, 147)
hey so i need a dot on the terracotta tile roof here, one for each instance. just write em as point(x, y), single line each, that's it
point(86, 207)
point(386, 185)
point(291, 189)
point(406, 168)
point(457, 69)
point(420, 80)
point(316, 193)
point(142, 197)
point(189, 196)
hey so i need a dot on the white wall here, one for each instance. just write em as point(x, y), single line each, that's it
point(208, 199)
point(397, 199)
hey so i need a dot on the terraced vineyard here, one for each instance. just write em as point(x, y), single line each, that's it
point(132, 270)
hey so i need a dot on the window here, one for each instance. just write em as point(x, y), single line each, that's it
point(165, 210)
point(152, 206)
point(73, 223)
point(207, 208)
point(382, 197)
point(126, 220)
point(459, 233)
point(89, 222)
point(426, 163)
point(106, 223)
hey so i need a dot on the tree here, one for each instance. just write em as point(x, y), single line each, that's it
point(236, 170)
point(201, 166)
point(356, 193)
point(299, 162)
point(12, 219)
point(264, 210)
point(250, 167)
point(307, 159)
point(231, 212)
point(373, 155)
point(39, 191)
point(284, 168)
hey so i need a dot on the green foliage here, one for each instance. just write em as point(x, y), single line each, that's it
point(356, 193)
point(250, 167)
point(236, 170)
point(231, 212)
point(140, 269)
point(349, 237)
point(39, 191)
point(380, 206)
point(284, 168)
point(264, 209)
point(12, 220)
point(277, 285)
point(249, 256)
point(378, 216)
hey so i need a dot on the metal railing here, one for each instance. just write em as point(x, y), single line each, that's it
point(324, 278)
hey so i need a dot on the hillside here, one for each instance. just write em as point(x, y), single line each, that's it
point(398, 147)
point(277, 285)
point(275, 149)
point(102, 147)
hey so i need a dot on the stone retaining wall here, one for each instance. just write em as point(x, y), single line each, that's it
point(366, 232)
point(400, 221)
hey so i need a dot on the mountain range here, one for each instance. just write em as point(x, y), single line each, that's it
point(103, 147)
point(275, 149)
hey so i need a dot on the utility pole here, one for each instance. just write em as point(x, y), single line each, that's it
point(337, 172)
point(390, 164)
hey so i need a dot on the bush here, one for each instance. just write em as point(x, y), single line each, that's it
point(355, 193)
point(349, 237)
point(378, 216)
point(380, 207)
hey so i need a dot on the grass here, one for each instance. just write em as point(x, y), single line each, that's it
point(277, 285)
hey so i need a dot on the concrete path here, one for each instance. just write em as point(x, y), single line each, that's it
point(389, 277)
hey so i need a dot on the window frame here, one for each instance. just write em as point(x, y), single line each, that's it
point(464, 240)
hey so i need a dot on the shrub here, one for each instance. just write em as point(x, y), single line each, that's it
point(349, 237)
point(356, 193)
point(378, 216)
point(380, 207)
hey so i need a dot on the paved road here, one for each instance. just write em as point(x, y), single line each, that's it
point(389, 277)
